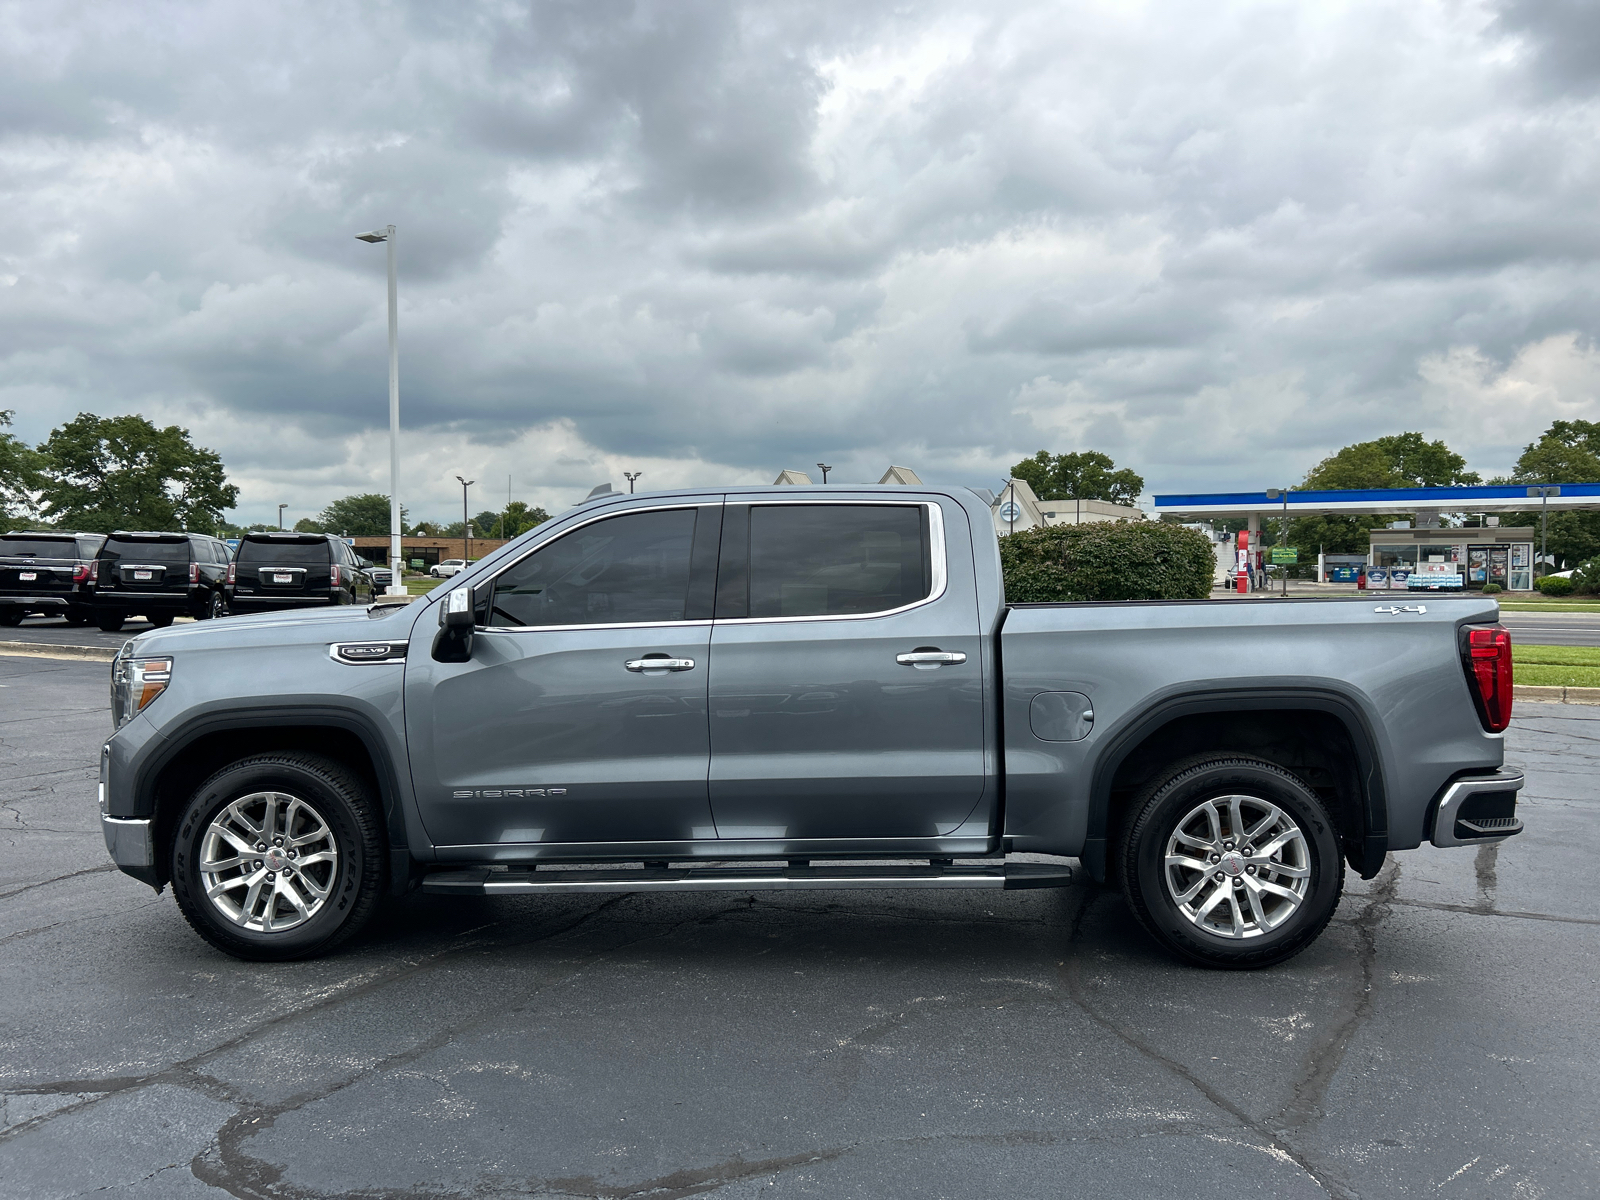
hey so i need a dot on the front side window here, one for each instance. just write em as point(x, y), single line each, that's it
point(632, 568)
point(834, 560)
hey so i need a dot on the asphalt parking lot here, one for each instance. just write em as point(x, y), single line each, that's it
point(1439, 1040)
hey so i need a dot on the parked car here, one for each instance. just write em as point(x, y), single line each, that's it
point(159, 576)
point(447, 568)
point(813, 689)
point(382, 576)
point(47, 573)
point(295, 570)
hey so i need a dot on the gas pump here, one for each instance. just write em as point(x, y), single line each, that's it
point(1242, 578)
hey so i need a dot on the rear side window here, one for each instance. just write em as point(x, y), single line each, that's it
point(835, 560)
point(283, 553)
point(629, 568)
point(136, 550)
point(38, 547)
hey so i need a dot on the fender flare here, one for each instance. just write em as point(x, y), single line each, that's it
point(289, 714)
point(1283, 697)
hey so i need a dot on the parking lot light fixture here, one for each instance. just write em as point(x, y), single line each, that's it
point(630, 476)
point(466, 527)
point(387, 236)
point(824, 468)
point(1544, 494)
point(281, 507)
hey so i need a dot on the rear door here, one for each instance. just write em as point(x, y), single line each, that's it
point(581, 717)
point(846, 692)
point(38, 566)
point(140, 564)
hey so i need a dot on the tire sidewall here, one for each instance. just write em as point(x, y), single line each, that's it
point(1175, 800)
point(222, 790)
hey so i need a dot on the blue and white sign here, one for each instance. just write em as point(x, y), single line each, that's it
point(1377, 578)
point(1398, 577)
point(1010, 511)
point(1436, 581)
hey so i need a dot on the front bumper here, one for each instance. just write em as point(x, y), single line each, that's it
point(132, 847)
point(1478, 809)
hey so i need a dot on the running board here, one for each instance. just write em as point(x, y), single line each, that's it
point(482, 881)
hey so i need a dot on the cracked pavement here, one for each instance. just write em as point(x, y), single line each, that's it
point(1439, 1039)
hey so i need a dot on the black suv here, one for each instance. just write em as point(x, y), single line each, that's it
point(161, 575)
point(295, 570)
point(47, 573)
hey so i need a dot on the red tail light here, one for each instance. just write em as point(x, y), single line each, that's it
point(94, 571)
point(233, 572)
point(194, 572)
point(1487, 655)
point(335, 571)
point(80, 572)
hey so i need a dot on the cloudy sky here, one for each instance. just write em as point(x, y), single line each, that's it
point(709, 240)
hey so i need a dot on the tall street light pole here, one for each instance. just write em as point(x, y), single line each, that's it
point(466, 529)
point(281, 507)
point(387, 236)
point(825, 468)
point(1544, 494)
point(630, 476)
point(1274, 494)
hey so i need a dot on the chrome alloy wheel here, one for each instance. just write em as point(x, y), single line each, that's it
point(1237, 866)
point(268, 862)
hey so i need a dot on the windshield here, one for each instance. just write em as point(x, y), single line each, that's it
point(118, 549)
point(38, 547)
point(283, 553)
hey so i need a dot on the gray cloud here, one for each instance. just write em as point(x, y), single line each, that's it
point(719, 238)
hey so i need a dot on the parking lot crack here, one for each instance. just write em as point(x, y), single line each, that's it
point(104, 869)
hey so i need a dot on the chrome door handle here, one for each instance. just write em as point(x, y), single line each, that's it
point(928, 660)
point(648, 665)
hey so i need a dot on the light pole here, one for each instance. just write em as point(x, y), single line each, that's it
point(1273, 494)
point(387, 236)
point(1544, 494)
point(630, 476)
point(466, 529)
point(281, 507)
point(824, 468)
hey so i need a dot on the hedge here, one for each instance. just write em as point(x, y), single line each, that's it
point(1554, 585)
point(1104, 560)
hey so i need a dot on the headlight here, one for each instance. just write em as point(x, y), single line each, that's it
point(135, 682)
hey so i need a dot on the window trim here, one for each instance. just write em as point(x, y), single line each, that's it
point(936, 552)
point(693, 506)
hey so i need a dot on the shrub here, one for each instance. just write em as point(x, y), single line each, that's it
point(1491, 589)
point(1554, 585)
point(1134, 560)
point(1586, 577)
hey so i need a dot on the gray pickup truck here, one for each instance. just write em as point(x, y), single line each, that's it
point(799, 688)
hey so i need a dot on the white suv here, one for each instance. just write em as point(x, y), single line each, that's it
point(447, 568)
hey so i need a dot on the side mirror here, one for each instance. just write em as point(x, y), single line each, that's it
point(456, 623)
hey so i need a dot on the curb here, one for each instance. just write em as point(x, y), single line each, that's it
point(1534, 693)
point(78, 653)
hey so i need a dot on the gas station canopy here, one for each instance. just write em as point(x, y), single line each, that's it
point(1508, 498)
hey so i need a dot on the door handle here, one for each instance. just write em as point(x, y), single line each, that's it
point(929, 660)
point(659, 664)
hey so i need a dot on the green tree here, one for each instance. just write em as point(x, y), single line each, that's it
point(1567, 452)
point(106, 473)
point(1089, 475)
point(309, 525)
point(365, 514)
point(19, 476)
point(519, 518)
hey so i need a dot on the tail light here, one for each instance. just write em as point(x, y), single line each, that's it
point(194, 572)
point(80, 573)
point(233, 572)
point(334, 570)
point(94, 571)
point(1486, 654)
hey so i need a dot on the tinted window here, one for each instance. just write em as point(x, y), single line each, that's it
point(132, 550)
point(626, 568)
point(829, 560)
point(39, 547)
point(283, 553)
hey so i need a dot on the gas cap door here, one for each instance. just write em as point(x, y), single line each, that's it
point(1061, 716)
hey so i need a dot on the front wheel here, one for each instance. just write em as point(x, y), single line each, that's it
point(1232, 862)
point(278, 856)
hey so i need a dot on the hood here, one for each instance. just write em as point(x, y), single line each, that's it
point(296, 627)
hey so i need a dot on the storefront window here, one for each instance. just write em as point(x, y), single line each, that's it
point(1394, 556)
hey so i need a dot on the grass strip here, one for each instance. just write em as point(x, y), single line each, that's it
point(1544, 675)
point(1555, 656)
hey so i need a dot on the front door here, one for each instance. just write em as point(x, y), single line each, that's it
point(581, 717)
point(846, 675)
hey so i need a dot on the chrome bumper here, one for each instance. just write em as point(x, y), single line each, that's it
point(1494, 829)
point(129, 841)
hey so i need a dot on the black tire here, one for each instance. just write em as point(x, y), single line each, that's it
point(77, 618)
point(214, 608)
point(159, 620)
point(1175, 799)
point(109, 622)
point(354, 882)
point(11, 616)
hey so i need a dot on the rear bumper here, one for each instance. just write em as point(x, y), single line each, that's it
point(260, 603)
point(1456, 821)
point(139, 601)
point(131, 846)
point(48, 603)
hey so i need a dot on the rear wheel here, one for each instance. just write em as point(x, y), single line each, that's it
point(278, 856)
point(214, 608)
point(1231, 862)
point(11, 616)
point(77, 618)
point(109, 622)
point(159, 620)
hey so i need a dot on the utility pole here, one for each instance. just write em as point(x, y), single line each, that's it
point(1544, 494)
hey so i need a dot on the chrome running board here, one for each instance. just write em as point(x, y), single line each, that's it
point(485, 881)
